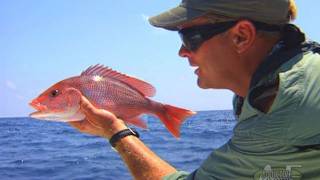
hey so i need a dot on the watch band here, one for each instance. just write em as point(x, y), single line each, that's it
point(121, 134)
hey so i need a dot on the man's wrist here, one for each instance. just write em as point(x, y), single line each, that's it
point(116, 127)
point(122, 134)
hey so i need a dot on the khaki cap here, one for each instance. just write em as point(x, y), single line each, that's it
point(266, 11)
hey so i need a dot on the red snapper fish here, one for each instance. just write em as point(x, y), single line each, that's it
point(123, 95)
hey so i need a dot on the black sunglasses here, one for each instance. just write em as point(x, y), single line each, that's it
point(193, 37)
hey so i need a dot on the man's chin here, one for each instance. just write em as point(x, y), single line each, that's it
point(202, 85)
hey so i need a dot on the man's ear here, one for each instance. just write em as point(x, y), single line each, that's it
point(243, 35)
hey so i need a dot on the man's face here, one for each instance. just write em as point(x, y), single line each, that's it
point(214, 59)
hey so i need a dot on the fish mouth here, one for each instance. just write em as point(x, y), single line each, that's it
point(43, 113)
point(42, 110)
point(37, 105)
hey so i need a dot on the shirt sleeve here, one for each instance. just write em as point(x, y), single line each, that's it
point(179, 175)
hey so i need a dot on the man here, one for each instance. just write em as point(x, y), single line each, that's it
point(249, 47)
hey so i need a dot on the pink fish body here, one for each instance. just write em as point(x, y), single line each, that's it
point(123, 95)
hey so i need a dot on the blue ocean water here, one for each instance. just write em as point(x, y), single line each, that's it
point(35, 149)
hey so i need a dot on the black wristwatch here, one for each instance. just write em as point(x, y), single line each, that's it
point(121, 134)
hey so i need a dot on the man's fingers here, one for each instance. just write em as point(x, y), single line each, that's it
point(89, 110)
point(96, 117)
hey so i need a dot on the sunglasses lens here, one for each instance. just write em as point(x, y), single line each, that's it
point(191, 41)
point(193, 37)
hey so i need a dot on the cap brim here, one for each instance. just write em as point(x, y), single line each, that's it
point(175, 17)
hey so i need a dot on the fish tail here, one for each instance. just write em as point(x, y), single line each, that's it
point(172, 117)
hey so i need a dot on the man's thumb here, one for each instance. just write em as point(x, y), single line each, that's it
point(86, 106)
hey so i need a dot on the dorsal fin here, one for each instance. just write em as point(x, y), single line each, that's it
point(143, 87)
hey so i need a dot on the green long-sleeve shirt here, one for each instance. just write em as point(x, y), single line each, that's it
point(280, 143)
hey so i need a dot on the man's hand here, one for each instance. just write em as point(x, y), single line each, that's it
point(98, 122)
point(142, 162)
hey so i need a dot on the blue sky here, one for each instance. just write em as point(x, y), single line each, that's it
point(42, 42)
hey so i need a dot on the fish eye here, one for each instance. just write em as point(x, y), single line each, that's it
point(54, 93)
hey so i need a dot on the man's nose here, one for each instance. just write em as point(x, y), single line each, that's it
point(184, 52)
